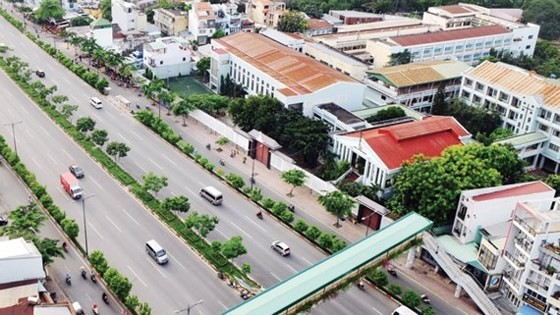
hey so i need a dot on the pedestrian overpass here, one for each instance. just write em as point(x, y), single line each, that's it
point(309, 284)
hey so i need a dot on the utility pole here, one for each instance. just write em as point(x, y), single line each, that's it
point(13, 124)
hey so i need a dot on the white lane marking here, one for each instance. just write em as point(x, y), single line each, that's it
point(161, 168)
point(170, 161)
point(64, 193)
point(134, 273)
point(136, 135)
point(190, 190)
point(125, 139)
point(256, 224)
point(156, 267)
point(52, 159)
point(110, 115)
point(95, 182)
point(292, 268)
point(67, 154)
point(140, 167)
point(275, 276)
point(44, 130)
point(25, 110)
point(240, 229)
point(222, 234)
point(38, 165)
point(96, 232)
point(177, 261)
point(223, 305)
point(113, 223)
point(128, 214)
point(307, 261)
point(378, 312)
point(28, 133)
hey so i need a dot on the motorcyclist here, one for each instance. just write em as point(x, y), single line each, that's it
point(104, 297)
point(68, 278)
point(64, 246)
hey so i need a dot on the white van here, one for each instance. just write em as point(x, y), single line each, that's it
point(95, 102)
point(156, 252)
point(212, 194)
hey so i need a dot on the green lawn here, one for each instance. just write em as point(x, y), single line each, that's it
point(185, 86)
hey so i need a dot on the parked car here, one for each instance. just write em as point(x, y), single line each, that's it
point(76, 171)
point(3, 221)
point(40, 73)
point(281, 248)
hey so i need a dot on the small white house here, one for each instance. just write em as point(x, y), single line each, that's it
point(168, 57)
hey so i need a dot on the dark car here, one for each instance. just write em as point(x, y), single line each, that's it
point(76, 170)
point(3, 221)
point(40, 73)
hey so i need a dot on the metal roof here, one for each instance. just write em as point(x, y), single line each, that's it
point(524, 139)
point(444, 36)
point(420, 73)
point(329, 270)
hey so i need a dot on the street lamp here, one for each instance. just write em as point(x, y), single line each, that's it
point(85, 221)
point(189, 307)
point(368, 222)
point(13, 124)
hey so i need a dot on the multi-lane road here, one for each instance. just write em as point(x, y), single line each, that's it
point(119, 226)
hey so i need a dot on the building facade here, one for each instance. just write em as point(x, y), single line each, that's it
point(528, 103)
point(171, 22)
point(128, 17)
point(102, 31)
point(415, 85)
point(265, 13)
point(266, 67)
point(168, 57)
point(202, 22)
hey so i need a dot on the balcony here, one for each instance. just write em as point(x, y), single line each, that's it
point(525, 226)
point(539, 287)
point(524, 244)
point(514, 260)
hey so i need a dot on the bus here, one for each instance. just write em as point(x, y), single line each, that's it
point(403, 310)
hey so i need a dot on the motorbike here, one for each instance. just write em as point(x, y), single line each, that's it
point(260, 215)
point(93, 277)
point(222, 163)
point(138, 106)
point(68, 280)
point(208, 146)
point(361, 285)
point(292, 208)
point(425, 298)
point(391, 270)
point(95, 309)
point(65, 247)
point(105, 298)
point(84, 274)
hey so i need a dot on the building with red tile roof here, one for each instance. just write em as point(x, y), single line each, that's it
point(379, 152)
point(263, 66)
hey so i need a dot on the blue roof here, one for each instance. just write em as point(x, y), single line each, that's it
point(528, 310)
point(298, 287)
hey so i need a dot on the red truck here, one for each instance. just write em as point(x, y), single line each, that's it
point(70, 184)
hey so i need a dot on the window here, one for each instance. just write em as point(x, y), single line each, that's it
point(556, 133)
point(467, 57)
point(528, 47)
point(459, 47)
point(515, 102)
point(487, 258)
point(530, 36)
point(504, 97)
point(543, 127)
point(476, 99)
point(480, 87)
point(161, 62)
point(479, 45)
point(507, 40)
point(427, 51)
point(469, 46)
point(553, 147)
point(462, 212)
point(466, 94)
point(448, 49)
point(184, 58)
point(468, 82)
point(498, 42)
point(437, 51)
point(477, 55)
point(488, 43)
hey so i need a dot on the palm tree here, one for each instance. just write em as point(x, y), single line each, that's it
point(167, 98)
point(126, 71)
point(183, 108)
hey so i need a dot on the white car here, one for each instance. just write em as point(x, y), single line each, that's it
point(281, 248)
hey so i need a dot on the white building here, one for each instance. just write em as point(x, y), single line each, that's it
point(202, 21)
point(289, 40)
point(414, 85)
point(168, 57)
point(102, 31)
point(227, 17)
point(465, 15)
point(128, 17)
point(21, 267)
point(527, 102)
point(265, 67)
point(376, 154)
point(171, 22)
point(265, 13)
point(532, 256)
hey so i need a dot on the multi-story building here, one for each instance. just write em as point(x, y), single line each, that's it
point(527, 102)
point(337, 60)
point(377, 153)
point(128, 17)
point(202, 21)
point(318, 27)
point(414, 85)
point(532, 256)
point(266, 67)
point(170, 21)
point(168, 57)
point(227, 17)
point(265, 13)
point(349, 17)
point(102, 31)
point(289, 40)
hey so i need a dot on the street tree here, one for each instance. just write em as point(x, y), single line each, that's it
point(117, 150)
point(295, 177)
point(68, 110)
point(45, 92)
point(152, 89)
point(105, 6)
point(204, 224)
point(553, 180)
point(292, 21)
point(98, 261)
point(49, 249)
point(400, 58)
point(144, 309)
point(153, 183)
point(176, 203)
point(338, 203)
point(438, 106)
point(59, 99)
point(431, 187)
point(183, 108)
point(100, 136)
point(85, 124)
point(378, 277)
point(411, 298)
point(233, 248)
point(70, 227)
point(119, 284)
point(255, 112)
point(202, 67)
point(167, 98)
point(26, 222)
point(49, 9)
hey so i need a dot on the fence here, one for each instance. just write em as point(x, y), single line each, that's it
point(233, 135)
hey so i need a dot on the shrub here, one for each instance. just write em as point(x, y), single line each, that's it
point(185, 147)
point(411, 299)
point(235, 180)
point(301, 226)
point(324, 240)
point(428, 311)
point(220, 172)
point(279, 208)
point(70, 227)
point(287, 216)
point(202, 161)
point(57, 214)
point(209, 166)
point(313, 232)
point(337, 244)
point(46, 201)
point(394, 289)
point(119, 284)
point(101, 84)
point(98, 261)
point(378, 277)
point(256, 195)
point(268, 203)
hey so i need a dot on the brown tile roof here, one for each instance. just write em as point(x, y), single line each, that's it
point(299, 73)
point(204, 10)
point(220, 51)
point(317, 24)
point(434, 37)
point(456, 9)
point(421, 72)
point(517, 80)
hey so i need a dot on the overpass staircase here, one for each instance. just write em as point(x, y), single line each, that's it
point(465, 281)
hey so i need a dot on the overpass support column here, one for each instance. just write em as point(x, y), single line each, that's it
point(410, 257)
point(458, 291)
